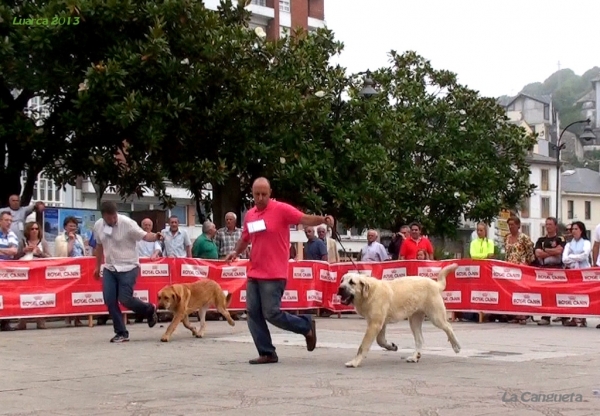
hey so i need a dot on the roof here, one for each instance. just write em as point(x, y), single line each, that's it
point(581, 181)
point(541, 159)
point(504, 101)
point(587, 97)
point(545, 99)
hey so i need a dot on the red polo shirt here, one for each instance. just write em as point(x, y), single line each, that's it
point(271, 247)
point(410, 247)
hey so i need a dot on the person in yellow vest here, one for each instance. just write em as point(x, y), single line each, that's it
point(482, 247)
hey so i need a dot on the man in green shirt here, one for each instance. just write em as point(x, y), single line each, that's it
point(205, 246)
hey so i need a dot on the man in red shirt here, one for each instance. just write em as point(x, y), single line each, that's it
point(267, 227)
point(416, 242)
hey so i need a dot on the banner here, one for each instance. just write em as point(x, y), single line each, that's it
point(66, 287)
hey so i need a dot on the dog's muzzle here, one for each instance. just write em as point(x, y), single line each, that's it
point(346, 297)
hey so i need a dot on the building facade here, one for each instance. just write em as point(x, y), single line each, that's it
point(277, 17)
point(581, 198)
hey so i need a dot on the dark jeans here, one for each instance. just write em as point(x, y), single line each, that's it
point(263, 303)
point(118, 287)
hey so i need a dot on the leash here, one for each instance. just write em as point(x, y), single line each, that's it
point(338, 239)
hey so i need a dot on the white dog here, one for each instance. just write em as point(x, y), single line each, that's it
point(382, 302)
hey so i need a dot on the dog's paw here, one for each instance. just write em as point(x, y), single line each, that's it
point(351, 364)
point(164, 339)
point(414, 358)
point(394, 347)
point(199, 334)
point(456, 348)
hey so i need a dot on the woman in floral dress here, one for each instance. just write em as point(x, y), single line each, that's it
point(519, 250)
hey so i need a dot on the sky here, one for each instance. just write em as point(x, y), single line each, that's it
point(495, 47)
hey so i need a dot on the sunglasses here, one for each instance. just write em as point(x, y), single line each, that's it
point(569, 229)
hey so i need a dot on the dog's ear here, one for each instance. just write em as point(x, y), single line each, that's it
point(177, 293)
point(364, 289)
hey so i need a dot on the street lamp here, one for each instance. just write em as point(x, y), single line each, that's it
point(367, 89)
point(588, 134)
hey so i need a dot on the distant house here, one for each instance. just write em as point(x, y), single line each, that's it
point(539, 114)
point(541, 204)
point(581, 197)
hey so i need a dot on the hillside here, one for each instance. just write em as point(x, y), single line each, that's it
point(566, 88)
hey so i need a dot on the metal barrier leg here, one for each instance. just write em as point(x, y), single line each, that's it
point(90, 321)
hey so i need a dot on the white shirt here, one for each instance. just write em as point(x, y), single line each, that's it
point(119, 243)
point(374, 252)
point(147, 248)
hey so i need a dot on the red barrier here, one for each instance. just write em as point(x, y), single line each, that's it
point(66, 287)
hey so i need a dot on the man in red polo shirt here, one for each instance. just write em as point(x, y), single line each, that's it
point(416, 242)
point(267, 227)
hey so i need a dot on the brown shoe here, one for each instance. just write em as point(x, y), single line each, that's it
point(311, 337)
point(265, 359)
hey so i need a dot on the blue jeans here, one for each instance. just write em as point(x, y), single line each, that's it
point(263, 303)
point(118, 287)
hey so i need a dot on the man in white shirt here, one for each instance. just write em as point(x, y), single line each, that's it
point(150, 249)
point(333, 256)
point(374, 251)
point(19, 214)
point(116, 236)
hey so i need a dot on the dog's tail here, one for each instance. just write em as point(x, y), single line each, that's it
point(227, 298)
point(441, 280)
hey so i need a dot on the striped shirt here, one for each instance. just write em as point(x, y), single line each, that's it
point(226, 240)
point(8, 240)
point(119, 243)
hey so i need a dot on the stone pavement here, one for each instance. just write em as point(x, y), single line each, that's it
point(76, 371)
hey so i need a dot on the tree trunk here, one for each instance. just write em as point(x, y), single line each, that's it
point(227, 198)
point(99, 190)
point(27, 194)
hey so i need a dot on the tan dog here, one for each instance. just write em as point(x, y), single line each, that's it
point(181, 299)
point(382, 302)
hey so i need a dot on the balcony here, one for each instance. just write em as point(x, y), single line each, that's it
point(257, 7)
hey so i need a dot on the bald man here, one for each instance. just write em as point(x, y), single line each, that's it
point(374, 251)
point(267, 227)
point(151, 249)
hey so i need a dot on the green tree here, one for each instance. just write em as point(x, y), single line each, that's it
point(29, 141)
point(185, 94)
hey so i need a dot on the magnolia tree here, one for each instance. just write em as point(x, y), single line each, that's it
point(182, 93)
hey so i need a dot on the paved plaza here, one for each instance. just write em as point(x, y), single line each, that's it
point(76, 371)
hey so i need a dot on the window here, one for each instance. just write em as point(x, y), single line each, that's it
point(284, 6)
point(588, 210)
point(180, 211)
point(45, 190)
point(546, 112)
point(545, 207)
point(260, 2)
point(526, 229)
point(545, 180)
point(525, 208)
point(38, 110)
point(570, 210)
